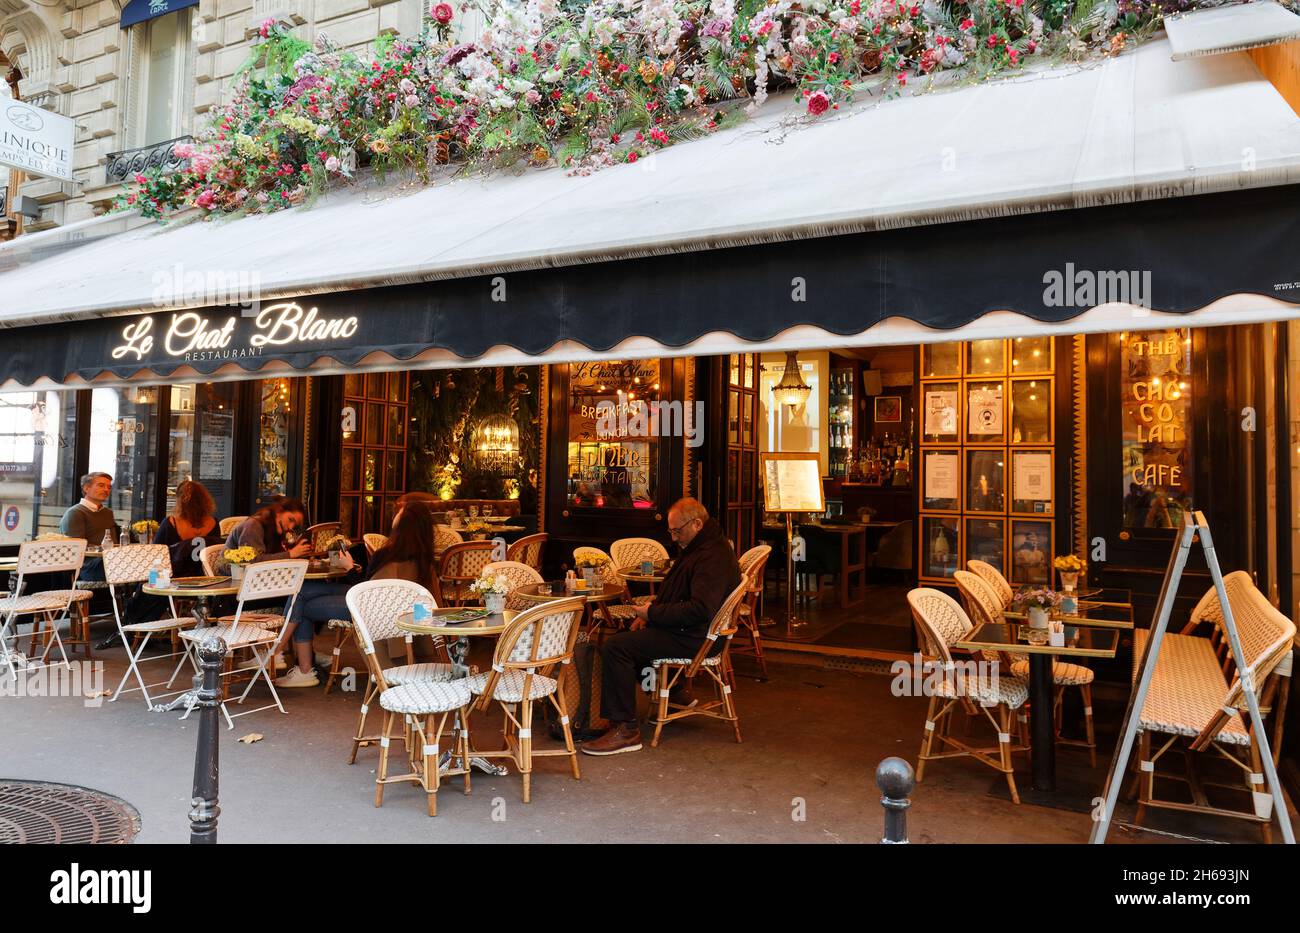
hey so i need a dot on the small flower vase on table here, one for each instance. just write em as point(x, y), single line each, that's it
point(236, 573)
point(1069, 581)
point(1037, 617)
point(495, 603)
point(592, 576)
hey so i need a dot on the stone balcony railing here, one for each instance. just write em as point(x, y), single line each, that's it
point(121, 166)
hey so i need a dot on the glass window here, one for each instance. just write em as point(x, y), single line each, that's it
point(984, 541)
point(1156, 388)
point(1031, 355)
point(984, 478)
point(203, 441)
point(614, 427)
point(273, 446)
point(942, 412)
point(124, 444)
point(1031, 552)
point(987, 357)
point(165, 61)
point(37, 484)
point(941, 359)
point(941, 540)
point(1031, 411)
point(985, 413)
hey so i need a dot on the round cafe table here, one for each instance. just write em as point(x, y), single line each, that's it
point(200, 595)
point(325, 574)
point(610, 593)
point(457, 635)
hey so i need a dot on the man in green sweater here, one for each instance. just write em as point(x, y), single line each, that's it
point(89, 519)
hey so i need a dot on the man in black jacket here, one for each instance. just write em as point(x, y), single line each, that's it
point(673, 626)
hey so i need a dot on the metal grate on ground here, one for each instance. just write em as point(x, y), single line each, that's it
point(41, 812)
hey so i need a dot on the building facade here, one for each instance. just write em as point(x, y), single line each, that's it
point(136, 90)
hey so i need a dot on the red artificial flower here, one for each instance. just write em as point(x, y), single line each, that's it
point(591, 96)
point(966, 24)
point(631, 156)
point(854, 7)
point(1033, 46)
point(614, 139)
point(1013, 55)
point(833, 57)
point(818, 103)
point(556, 95)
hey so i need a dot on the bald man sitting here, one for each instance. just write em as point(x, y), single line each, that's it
point(673, 626)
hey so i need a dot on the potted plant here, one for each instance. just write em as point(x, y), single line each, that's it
point(492, 589)
point(238, 558)
point(1036, 602)
point(145, 530)
point(1070, 567)
point(592, 568)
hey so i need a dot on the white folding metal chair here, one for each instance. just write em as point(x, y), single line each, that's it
point(61, 556)
point(129, 564)
point(272, 579)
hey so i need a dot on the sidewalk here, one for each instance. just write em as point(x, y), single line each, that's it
point(813, 738)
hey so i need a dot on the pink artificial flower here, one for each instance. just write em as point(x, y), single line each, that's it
point(818, 103)
point(206, 199)
point(442, 13)
point(140, 179)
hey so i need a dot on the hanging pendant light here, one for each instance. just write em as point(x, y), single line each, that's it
point(791, 390)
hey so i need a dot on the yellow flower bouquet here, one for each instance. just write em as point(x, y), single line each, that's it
point(240, 556)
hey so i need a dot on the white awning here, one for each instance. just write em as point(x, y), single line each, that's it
point(1134, 127)
point(1230, 29)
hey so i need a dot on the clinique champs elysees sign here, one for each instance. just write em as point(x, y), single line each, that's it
point(197, 337)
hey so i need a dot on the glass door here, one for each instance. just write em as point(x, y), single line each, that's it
point(202, 441)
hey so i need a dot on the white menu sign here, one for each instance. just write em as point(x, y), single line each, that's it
point(37, 141)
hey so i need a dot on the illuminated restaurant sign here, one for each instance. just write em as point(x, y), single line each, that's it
point(1156, 379)
point(192, 337)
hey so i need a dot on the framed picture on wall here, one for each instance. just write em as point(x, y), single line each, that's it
point(889, 408)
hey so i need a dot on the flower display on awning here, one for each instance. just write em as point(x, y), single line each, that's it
point(587, 87)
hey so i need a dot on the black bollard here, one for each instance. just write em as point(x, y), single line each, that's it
point(896, 781)
point(203, 805)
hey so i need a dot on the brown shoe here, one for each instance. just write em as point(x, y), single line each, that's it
point(620, 738)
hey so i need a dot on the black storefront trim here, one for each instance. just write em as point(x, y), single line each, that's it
point(1178, 255)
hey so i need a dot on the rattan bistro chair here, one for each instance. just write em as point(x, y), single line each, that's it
point(59, 556)
point(615, 615)
point(940, 624)
point(377, 603)
point(519, 575)
point(228, 525)
point(709, 659)
point(210, 558)
point(528, 550)
point(374, 541)
point(524, 672)
point(444, 537)
point(130, 564)
point(321, 534)
point(1196, 699)
point(271, 579)
point(460, 566)
point(753, 566)
point(993, 577)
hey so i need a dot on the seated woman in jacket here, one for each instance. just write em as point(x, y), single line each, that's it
point(265, 529)
point(191, 526)
point(407, 555)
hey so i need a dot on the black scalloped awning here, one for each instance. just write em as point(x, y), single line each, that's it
point(1175, 255)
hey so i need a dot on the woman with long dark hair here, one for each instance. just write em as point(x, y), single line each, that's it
point(407, 555)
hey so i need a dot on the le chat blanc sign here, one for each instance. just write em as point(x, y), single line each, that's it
point(194, 338)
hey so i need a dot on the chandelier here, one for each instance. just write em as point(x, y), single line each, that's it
point(494, 445)
point(791, 390)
